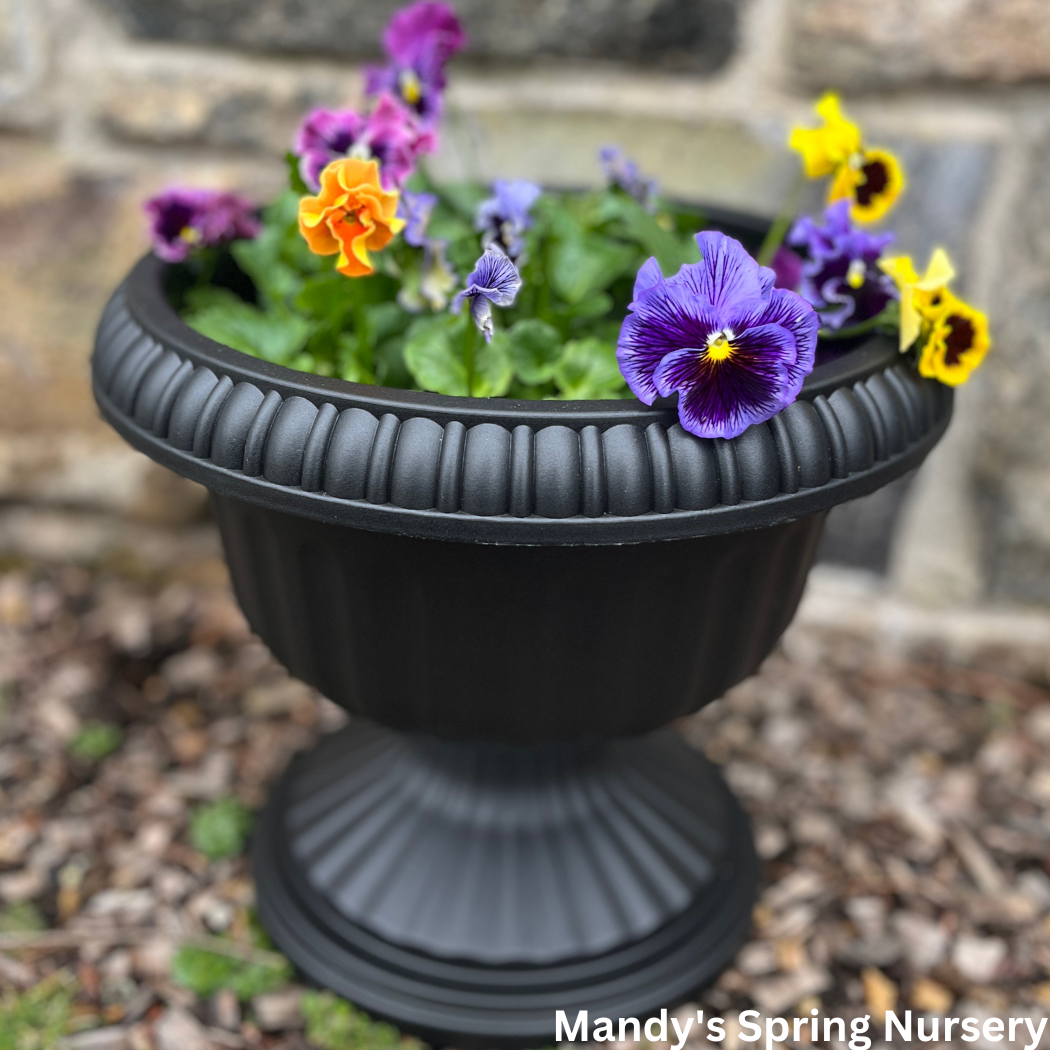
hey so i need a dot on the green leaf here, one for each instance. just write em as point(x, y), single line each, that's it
point(207, 972)
point(220, 828)
point(433, 354)
point(334, 1024)
point(588, 370)
point(295, 179)
point(273, 336)
point(533, 347)
point(583, 264)
point(38, 1018)
point(633, 222)
point(492, 369)
point(23, 917)
point(95, 741)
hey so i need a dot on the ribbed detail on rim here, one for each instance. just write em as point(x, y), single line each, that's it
point(539, 482)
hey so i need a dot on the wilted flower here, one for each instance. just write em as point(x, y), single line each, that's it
point(352, 215)
point(919, 295)
point(420, 39)
point(184, 219)
point(495, 281)
point(841, 278)
point(429, 287)
point(733, 347)
point(624, 173)
point(957, 342)
point(390, 134)
point(416, 209)
point(871, 179)
point(504, 217)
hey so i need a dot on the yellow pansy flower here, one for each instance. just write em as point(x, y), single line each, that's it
point(958, 341)
point(872, 179)
point(919, 295)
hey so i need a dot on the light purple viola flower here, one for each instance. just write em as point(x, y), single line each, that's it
point(504, 217)
point(734, 348)
point(841, 278)
point(183, 219)
point(390, 134)
point(420, 39)
point(495, 281)
point(416, 209)
point(624, 173)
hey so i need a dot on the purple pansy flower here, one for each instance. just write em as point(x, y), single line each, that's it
point(787, 265)
point(390, 134)
point(420, 39)
point(184, 219)
point(416, 209)
point(841, 279)
point(733, 347)
point(494, 281)
point(624, 173)
point(504, 217)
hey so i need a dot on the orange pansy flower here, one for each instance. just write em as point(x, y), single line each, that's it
point(351, 215)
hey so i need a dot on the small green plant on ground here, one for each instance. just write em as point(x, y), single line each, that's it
point(95, 741)
point(334, 1024)
point(23, 917)
point(38, 1018)
point(220, 829)
point(246, 972)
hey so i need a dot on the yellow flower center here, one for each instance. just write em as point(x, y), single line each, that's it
point(720, 345)
point(189, 235)
point(411, 89)
point(856, 274)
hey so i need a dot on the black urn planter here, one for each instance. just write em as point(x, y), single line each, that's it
point(513, 598)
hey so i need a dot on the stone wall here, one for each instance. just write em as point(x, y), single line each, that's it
point(105, 101)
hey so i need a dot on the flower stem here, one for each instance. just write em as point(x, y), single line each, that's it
point(470, 342)
point(782, 223)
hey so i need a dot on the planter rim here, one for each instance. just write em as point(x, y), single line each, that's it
point(495, 470)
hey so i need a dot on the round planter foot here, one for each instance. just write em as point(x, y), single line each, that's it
point(467, 891)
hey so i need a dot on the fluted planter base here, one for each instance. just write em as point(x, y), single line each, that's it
point(467, 891)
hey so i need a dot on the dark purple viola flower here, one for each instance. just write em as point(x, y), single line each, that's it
point(495, 281)
point(841, 278)
point(416, 209)
point(420, 39)
point(390, 134)
point(504, 217)
point(624, 173)
point(733, 347)
point(184, 219)
point(787, 265)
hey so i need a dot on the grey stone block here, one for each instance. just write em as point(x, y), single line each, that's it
point(895, 42)
point(699, 35)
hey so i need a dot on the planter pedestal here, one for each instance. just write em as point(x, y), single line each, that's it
point(474, 888)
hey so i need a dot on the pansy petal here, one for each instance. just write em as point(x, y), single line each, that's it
point(723, 398)
point(725, 274)
point(791, 312)
point(648, 277)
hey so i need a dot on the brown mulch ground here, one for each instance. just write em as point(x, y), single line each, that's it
point(901, 803)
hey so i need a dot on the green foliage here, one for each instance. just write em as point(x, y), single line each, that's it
point(588, 370)
point(95, 741)
point(333, 1024)
point(394, 328)
point(445, 354)
point(206, 972)
point(38, 1018)
point(220, 828)
point(22, 917)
